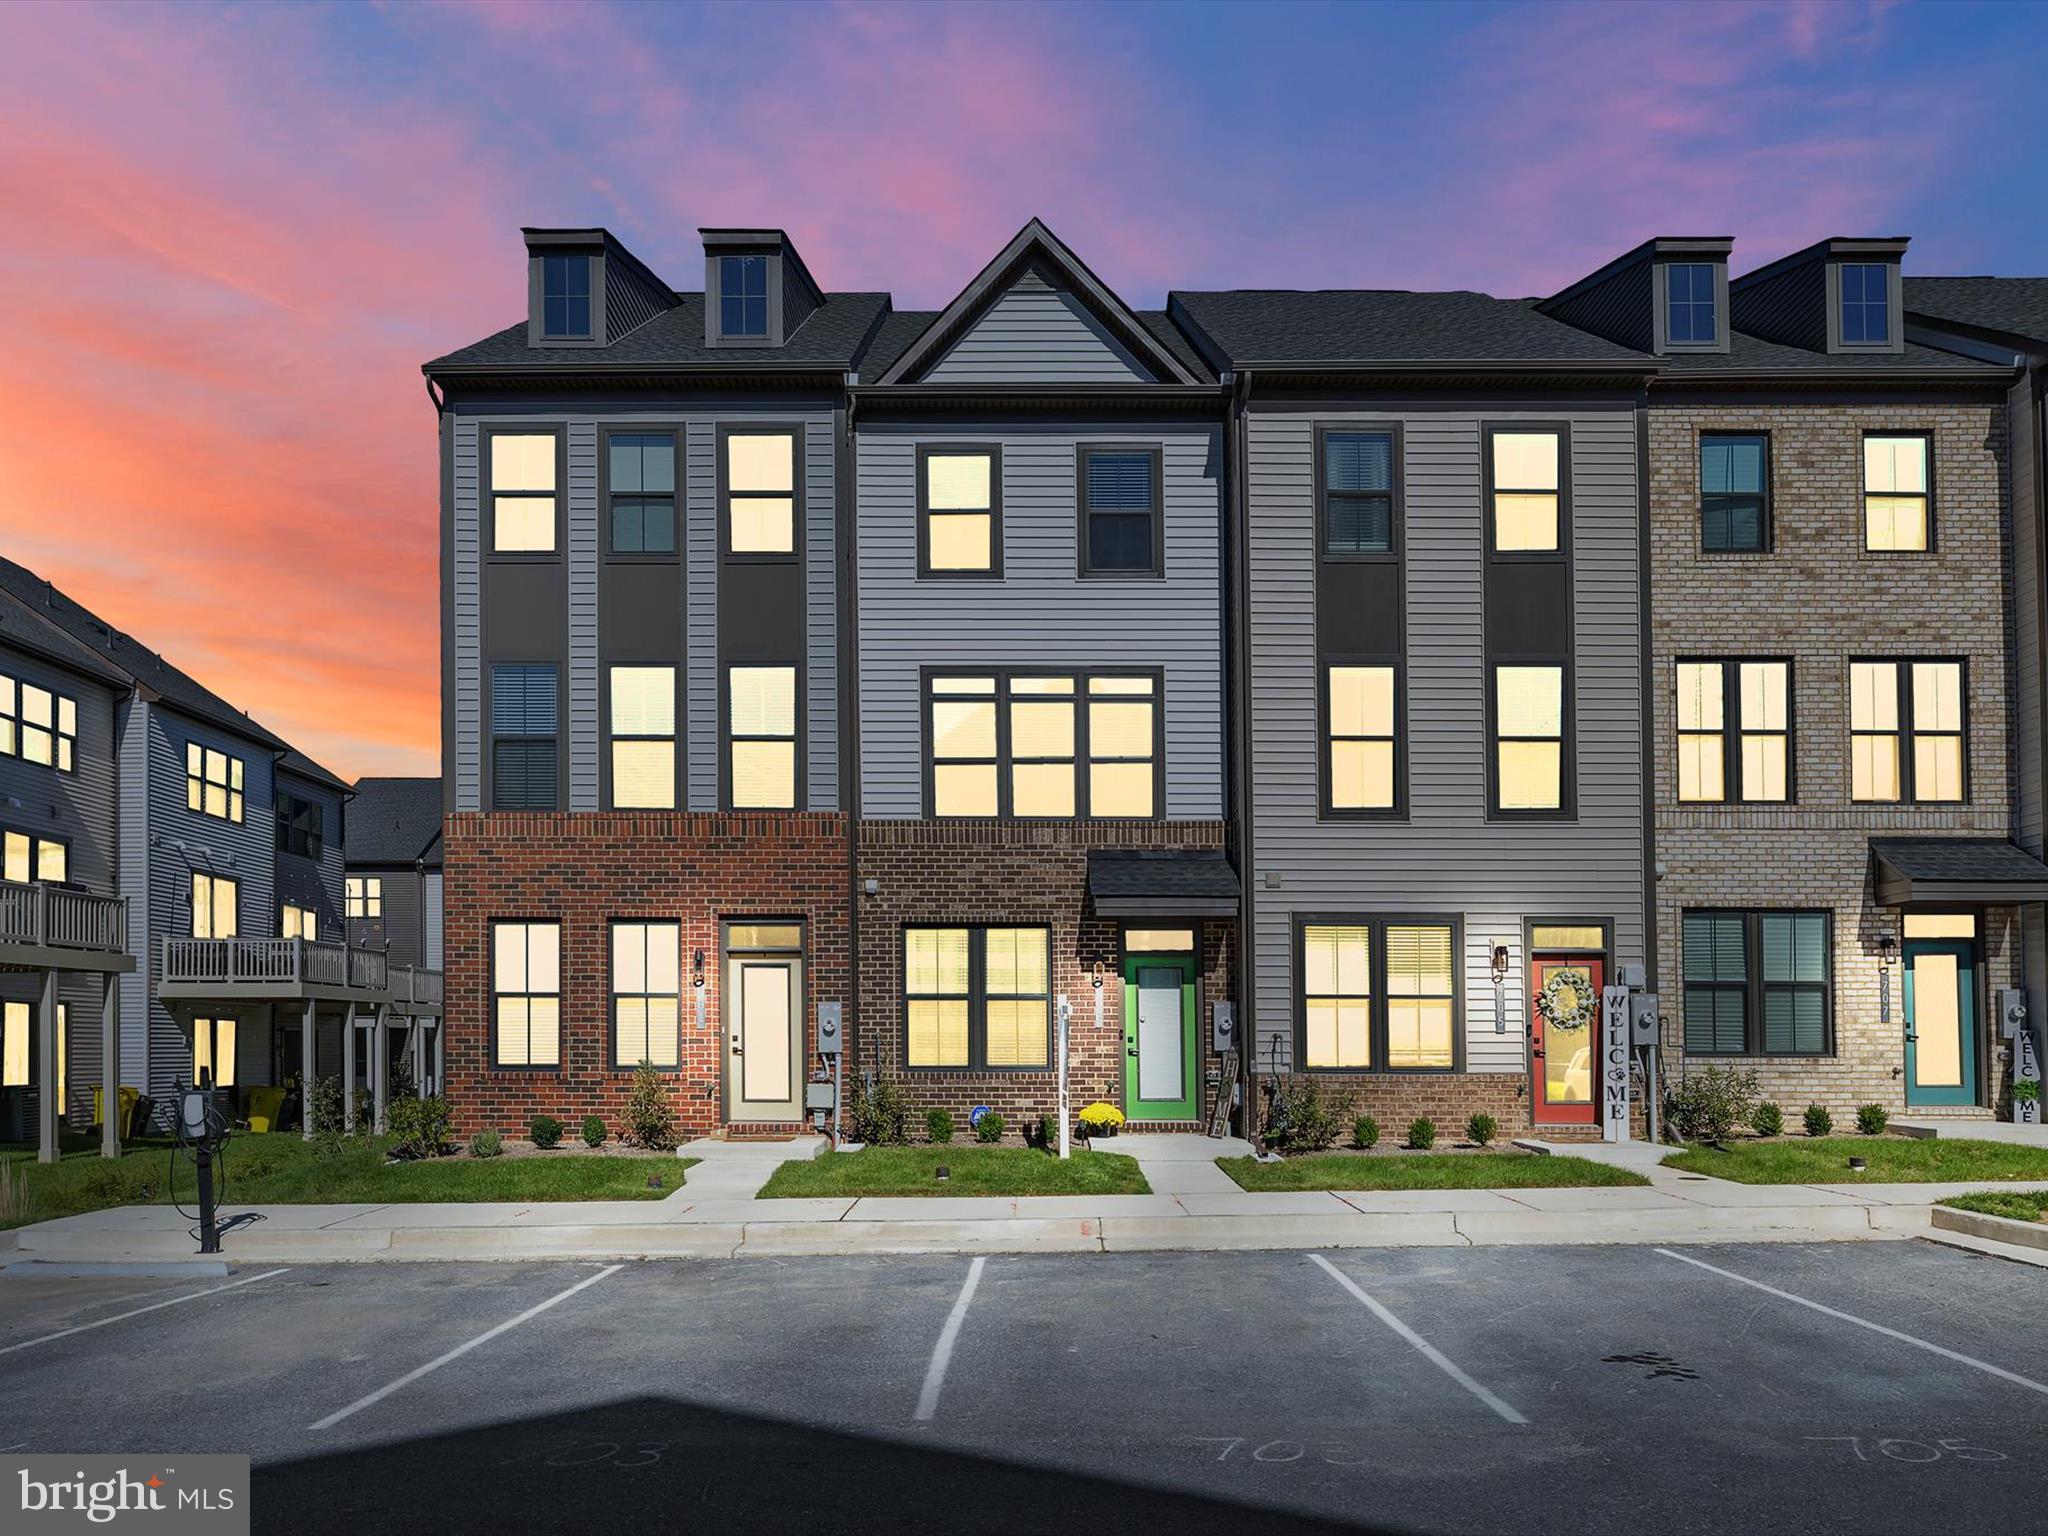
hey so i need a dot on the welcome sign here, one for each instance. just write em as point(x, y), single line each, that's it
point(172, 1495)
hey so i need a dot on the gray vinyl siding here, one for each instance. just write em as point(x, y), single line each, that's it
point(1035, 333)
point(581, 535)
point(434, 919)
point(466, 516)
point(700, 643)
point(1791, 307)
point(1446, 858)
point(630, 301)
point(132, 731)
point(1040, 613)
point(821, 618)
point(315, 883)
point(77, 807)
point(2023, 423)
point(401, 930)
point(79, 993)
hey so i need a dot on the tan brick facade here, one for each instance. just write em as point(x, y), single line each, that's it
point(1819, 598)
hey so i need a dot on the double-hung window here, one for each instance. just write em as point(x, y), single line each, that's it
point(1907, 729)
point(1043, 744)
point(297, 922)
point(977, 997)
point(38, 726)
point(1866, 303)
point(525, 709)
point(1378, 995)
point(760, 493)
point(1758, 983)
point(641, 482)
point(364, 895)
point(1358, 493)
point(522, 467)
point(1689, 303)
point(1121, 512)
point(761, 737)
point(647, 994)
point(743, 295)
point(216, 901)
point(526, 994)
point(36, 858)
point(1360, 704)
point(565, 297)
point(643, 715)
point(1735, 501)
point(1896, 516)
point(1734, 723)
point(1531, 738)
point(1526, 485)
point(213, 782)
point(301, 825)
point(959, 494)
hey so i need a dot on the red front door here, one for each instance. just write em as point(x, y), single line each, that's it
point(1564, 1063)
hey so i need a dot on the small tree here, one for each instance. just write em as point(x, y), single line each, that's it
point(1818, 1121)
point(650, 1119)
point(593, 1131)
point(1871, 1119)
point(546, 1131)
point(1480, 1128)
point(1365, 1132)
point(938, 1126)
point(1422, 1133)
point(1769, 1120)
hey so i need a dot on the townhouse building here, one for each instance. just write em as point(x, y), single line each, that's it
point(391, 896)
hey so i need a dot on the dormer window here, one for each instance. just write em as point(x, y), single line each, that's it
point(1689, 311)
point(743, 295)
point(1866, 304)
point(565, 297)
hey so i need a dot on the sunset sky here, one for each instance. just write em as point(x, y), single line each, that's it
point(230, 235)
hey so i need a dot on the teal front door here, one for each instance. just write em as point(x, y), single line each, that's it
point(1941, 1021)
point(1159, 1038)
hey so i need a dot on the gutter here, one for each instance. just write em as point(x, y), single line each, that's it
point(1237, 689)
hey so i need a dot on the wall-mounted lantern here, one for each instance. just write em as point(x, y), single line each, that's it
point(697, 969)
point(1500, 982)
point(1500, 965)
point(1887, 957)
point(1096, 974)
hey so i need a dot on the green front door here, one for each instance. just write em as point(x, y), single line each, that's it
point(1941, 1021)
point(1159, 1038)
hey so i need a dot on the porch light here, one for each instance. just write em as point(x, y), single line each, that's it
point(1500, 964)
point(1887, 950)
point(1096, 974)
point(697, 969)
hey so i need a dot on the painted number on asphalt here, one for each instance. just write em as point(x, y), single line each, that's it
point(1915, 1451)
point(593, 1453)
point(1282, 1451)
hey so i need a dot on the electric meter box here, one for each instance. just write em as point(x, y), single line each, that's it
point(1643, 1023)
point(830, 1035)
point(1222, 1027)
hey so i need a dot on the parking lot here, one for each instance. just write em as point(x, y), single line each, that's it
point(1850, 1387)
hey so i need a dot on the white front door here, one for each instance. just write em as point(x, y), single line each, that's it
point(764, 1055)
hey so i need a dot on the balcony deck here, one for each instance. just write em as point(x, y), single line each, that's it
point(55, 927)
point(291, 971)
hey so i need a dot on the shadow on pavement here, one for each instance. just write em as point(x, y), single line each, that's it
point(661, 1465)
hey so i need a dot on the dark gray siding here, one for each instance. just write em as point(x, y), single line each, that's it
point(307, 882)
point(1039, 613)
point(1791, 307)
point(1619, 308)
point(1035, 333)
point(402, 928)
point(1447, 858)
point(630, 298)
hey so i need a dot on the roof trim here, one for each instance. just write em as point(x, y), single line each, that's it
point(1892, 247)
point(2023, 878)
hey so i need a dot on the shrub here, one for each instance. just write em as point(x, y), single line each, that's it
point(1480, 1128)
point(485, 1144)
point(403, 1085)
point(1305, 1118)
point(1871, 1119)
point(650, 1119)
point(419, 1128)
point(545, 1130)
point(1422, 1133)
point(1365, 1132)
point(1708, 1105)
point(879, 1115)
point(1042, 1133)
point(593, 1131)
point(938, 1126)
point(325, 1106)
point(989, 1129)
point(1768, 1119)
point(1100, 1119)
point(1818, 1121)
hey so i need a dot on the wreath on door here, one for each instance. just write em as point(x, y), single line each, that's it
point(1567, 1001)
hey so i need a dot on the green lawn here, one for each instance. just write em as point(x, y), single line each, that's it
point(1891, 1159)
point(1424, 1170)
point(2015, 1204)
point(973, 1170)
point(286, 1170)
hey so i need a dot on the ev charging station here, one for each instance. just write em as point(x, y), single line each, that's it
point(202, 1131)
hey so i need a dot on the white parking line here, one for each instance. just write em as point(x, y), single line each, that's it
point(1863, 1322)
point(942, 1352)
point(1422, 1346)
point(156, 1306)
point(460, 1350)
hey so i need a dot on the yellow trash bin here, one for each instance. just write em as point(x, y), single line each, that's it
point(129, 1096)
point(264, 1107)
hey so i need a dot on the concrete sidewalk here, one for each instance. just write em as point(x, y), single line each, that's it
point(1195, 1206)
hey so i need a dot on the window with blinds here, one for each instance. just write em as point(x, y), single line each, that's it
point(761, 737)
point(1420, 993)
point(1907, 728)
point(1758, 983)
point(643, 732)
point(647, 994)
point(1120, 511)
point(1358, 493)
point(1053, 745)
point(525, 711)
point(1378, 995)
point(1734, 493)
point(977, 998)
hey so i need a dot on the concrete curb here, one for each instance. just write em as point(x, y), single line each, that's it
point(1997, 1229)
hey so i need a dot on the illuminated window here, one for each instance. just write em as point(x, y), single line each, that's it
point(1529, 744)
point(977, 997)
point(1159, 941)
point(522, 467)
point(643, 708)
point(17, 1023)
point(213, 782)
point(1043, 734)
point(301, 825)
point(647, 994)
point(213, 1052)
point(961, 716)
point(1361, 763)
point(526, 994)
point(1526, 481)
point(743, 295)
point(1937, 731)
point(365, 895)
point(1750, 763)
point(959, 501)
point(760, 485)
point(37, 725)
point(1895, 497)
point(1866, 303)
point(1122, 746)
point(1358, 493)
point(215, 902)
point(761, 737)
point(1906, 731)
point(36, 858)
point(1758, 983)
point(525, 711)
point(1735, 509)
point(296, 922)
point(1940, 925)
point(1043, 745)
point(1420, 993)
point(1337, 995)
point(641, 483)
point(565, 297)
point(1120, 511)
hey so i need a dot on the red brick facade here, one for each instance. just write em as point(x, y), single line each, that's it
point(1019, 874)
point(583, 871)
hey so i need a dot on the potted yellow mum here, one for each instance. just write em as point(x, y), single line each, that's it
point(1100, 1121)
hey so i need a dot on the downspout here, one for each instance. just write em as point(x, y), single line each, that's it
point(1647, 750)
point(849, 736)
point(1237, 688)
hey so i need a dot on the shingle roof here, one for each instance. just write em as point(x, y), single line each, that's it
point(830, 337)
point(1194, 881)
point(899, 328)
point(395, 821)
point(1390, 325)
point(1753, 354)
point(1991, 859)
point(2017, 306)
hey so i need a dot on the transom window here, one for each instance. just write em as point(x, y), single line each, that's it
point(1734, 731)
point(959, 500)
point(642, 485)
point(1689, 304)
point(525, 709)
point(1758, 983)
point(1734, 492)
point(761, 737)
point(1378, 995)
point(977, 997)
point(743, 295)
point(643, 708)
point(647, 994)
point(213, 1052)
point(1362, 772)
point(364, 895)
point(1043, 745)
point(1529, 738)
point(1866, 303)
point(522, 493)
point(37, 725)
point(296, 922)
point(1358, 493)
point(1120, 511)
point(526, 994)
point(760, 485)
point(1895, 496)
point(565, 296)
point(1527, 490)
point(1907, 722)
point(216, 901)
point(301, 825)
point(213, 782)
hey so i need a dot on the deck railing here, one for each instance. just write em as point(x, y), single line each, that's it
point(57, 917)
point(303, 962)
point(416, 985)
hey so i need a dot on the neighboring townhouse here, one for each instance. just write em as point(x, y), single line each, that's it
point(1437, 597)
point(643, 529)
point(1042, 775)
point(391, 896)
